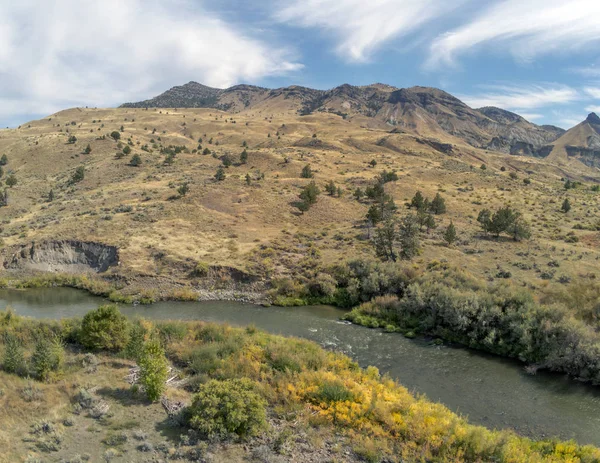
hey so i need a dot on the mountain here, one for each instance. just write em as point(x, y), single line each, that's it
point(425, 111)
point(581, 142)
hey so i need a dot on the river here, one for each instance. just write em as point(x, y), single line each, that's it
point(489, 390)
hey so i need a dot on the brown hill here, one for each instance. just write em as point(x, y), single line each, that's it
point(425, 111)
point(581, 143)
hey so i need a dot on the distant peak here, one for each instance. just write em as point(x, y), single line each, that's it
point(593, 118)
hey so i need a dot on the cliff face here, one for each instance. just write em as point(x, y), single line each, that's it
point(61, 256)
point(424, 110)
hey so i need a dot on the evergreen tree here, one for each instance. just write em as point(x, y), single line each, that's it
point(154, 369)
point(1, 172)
point(248, 179)
point(384, 241)
point(13, 360)
point(226, 160)
point(450, 234)
point(51, 196)
point(374, 215)
point(417, 201)
point(126, 150)
point(48, 357)
point(72, 139)
point(11, 180)
point(330, 188)
point(220, 175)
point(136, 160)
point(306, 172)
point(438, 205)
point(3, 160)
point(244, 157)
point(430, 223)
point(115, 135)
point(358, 194)
point(339, 192)
point(308, 196)
point(408, 236)
point(485, 218)
point(566, 205)
point(88, 149)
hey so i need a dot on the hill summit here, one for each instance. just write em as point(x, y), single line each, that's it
point(425, 111)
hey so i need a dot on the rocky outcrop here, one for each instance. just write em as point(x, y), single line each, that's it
point(60, 256)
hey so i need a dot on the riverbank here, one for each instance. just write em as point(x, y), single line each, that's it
point(357, 413)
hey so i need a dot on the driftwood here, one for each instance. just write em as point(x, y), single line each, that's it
point(174, 410)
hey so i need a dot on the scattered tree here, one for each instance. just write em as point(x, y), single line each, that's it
point(136, 160)
point(244, 157)
point(220, 175)
point(3, 160)
point(126, 150)
point(88, 149)
point(104, 328)
point(438, 205)
point(566, 205)
point(72, 139)
point(307, 172)
point(330, 188)
point(308, 196)
point(183, 189)
point(115, 135)
point(450, 234)
point(11, 180)
point(408, 236)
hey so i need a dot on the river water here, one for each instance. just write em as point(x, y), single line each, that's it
point(489, 390)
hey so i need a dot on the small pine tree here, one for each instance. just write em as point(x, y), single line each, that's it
point(248, 179)
point(358, 194)
point(417, 201)
point(3, 160)
point(88, 149)
point(51, 196)
point(220, 175)
point(408, 236)
point(450, 234)
point(154, 369)
point(438, 205)
point(566, 205)
point(339, 192)
point(373, 163)
point(136, 160)
point(48, 357)
point(126, 150)
point(226, 160)
point(244, 157)
point(1, 171)
point(308, 196)
point(72, 139)
point(13, 360)
point(206, 151)
point(115, 135)
point(307, 172)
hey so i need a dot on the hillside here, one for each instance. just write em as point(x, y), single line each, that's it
point(581, 143)
point(420, 110)
point(247, 227)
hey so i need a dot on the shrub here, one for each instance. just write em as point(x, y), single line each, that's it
point(104, 328)
point(227, 407)
point(48, 357)
point(332, 391)
point(154, 369)
point(13, 360)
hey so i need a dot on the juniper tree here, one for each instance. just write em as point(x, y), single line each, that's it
point(566, 205)
point(417, 201)
point(438, 205)
point(136, 160)
point(385, 241)
point(11, 180)
point(308, 196)
point(183, 189)
point(248, 179)
point(330, 188)
point(244, 157)
point(3, 160)
point(450, 234)
point(408, 236)
point(13, 360)
point(307, 172)
point(88, 149)
point(220, 174)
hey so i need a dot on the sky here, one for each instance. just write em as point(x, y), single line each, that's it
point(538, 58)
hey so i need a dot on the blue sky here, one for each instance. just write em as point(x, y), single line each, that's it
point(538, 58)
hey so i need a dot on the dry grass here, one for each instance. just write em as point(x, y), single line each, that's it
point(226, 222)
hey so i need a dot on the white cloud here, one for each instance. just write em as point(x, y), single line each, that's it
point(587, 71)
point(360, 27)
point(593, 109)
point(594, 92)
point(60, 53)
point(522, 97)
point(527, 28)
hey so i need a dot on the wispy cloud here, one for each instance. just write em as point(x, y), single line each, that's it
point(530, 116)
point(71, 52)
point(587, 71)
point(594, 92)
point(593, 109)
point(522, 97)
point(526, 28)
point(361, 27)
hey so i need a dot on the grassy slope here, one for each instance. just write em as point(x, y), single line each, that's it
point(225, 223)
point(321, 407)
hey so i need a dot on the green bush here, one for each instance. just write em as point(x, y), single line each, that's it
point(332, 391)
point(104, 328)
point(48, 357)
point(13, 360)
point(154, 369)
point(222, 408)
